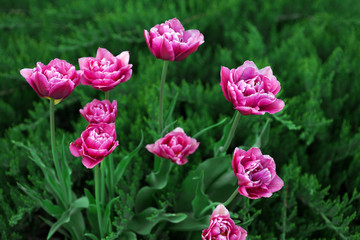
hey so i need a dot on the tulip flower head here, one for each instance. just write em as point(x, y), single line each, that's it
point(104, 72)
point(250, 90)
point(53, 81)
point(222, 227)
point(95, 143)
point(169, 41)
point(100, 111)
point(256, 173)
point(176, 146)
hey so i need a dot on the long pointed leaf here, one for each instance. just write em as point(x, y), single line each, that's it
point(208, 128)
point(120, 169)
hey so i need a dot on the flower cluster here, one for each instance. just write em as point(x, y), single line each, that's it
point(252, 91)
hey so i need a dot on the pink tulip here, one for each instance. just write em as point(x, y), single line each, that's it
point(55, 80)
point(169, 41)
point(100, 111)
point(256, 173)
point(222, 227)
point(95, 143)
point(176, 145)
point(104, 72)
point(250, 90)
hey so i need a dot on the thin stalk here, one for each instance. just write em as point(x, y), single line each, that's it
point(232, 196)
point(97, 199)
point(161, 97)
point(111, 173)
point(232, 132)
point(109, 167)
point(284, 215)
point(53, 144)
point(102, 183)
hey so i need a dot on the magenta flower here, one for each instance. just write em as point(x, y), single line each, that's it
point(55, 80)
point(100, 111)
point(250, 90)
point(104, 72)
point(176, 145)
point(95, 143)
point(169, 41)
point(222, 227)
point(256, 173)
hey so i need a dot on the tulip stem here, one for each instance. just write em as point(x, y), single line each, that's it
point(53, 144)
point(232, 196)
point(232, 132)
point(97, 199)
point(107, 95)
point(161, 97)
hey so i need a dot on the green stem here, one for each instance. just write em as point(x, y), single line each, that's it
point(111, 173)
point(53, 144)
point(97, 199)
point(232, 196)
point(161, 97)
point(107, 95)
point(102, 183)
point(232, 132)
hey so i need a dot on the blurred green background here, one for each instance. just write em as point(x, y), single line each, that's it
point(314, 51)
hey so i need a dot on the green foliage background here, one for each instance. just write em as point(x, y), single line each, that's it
point(312, 47)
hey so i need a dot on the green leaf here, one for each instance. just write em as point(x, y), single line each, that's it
point(208, 128)
point(263, 137)
point(192, 224)
point(66, 172)
point(218, 146)
point(91, 236)
point(120, 169)
point(106, 226)
point(166, 128)
point(147, 219)
point(212, 168)
point(53, 210)
point(201, 200)
point(82, 202)
point(171, 108)
point(128, 236)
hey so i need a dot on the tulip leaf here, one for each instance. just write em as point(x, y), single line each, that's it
point(192, 224)
point(89, 196)
point(128, 236)
point(263, 137)
point(49, 174)
point(219, 145)
point(171, 108)
point(158, 180)
point(120, 169)
point(213, 168)
point(208, 128)
point(147, 219)
point(201, 200)
point(82, 202)
point(91, 236)
point(106, 226)
point(66, 172)
point(166, 128)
